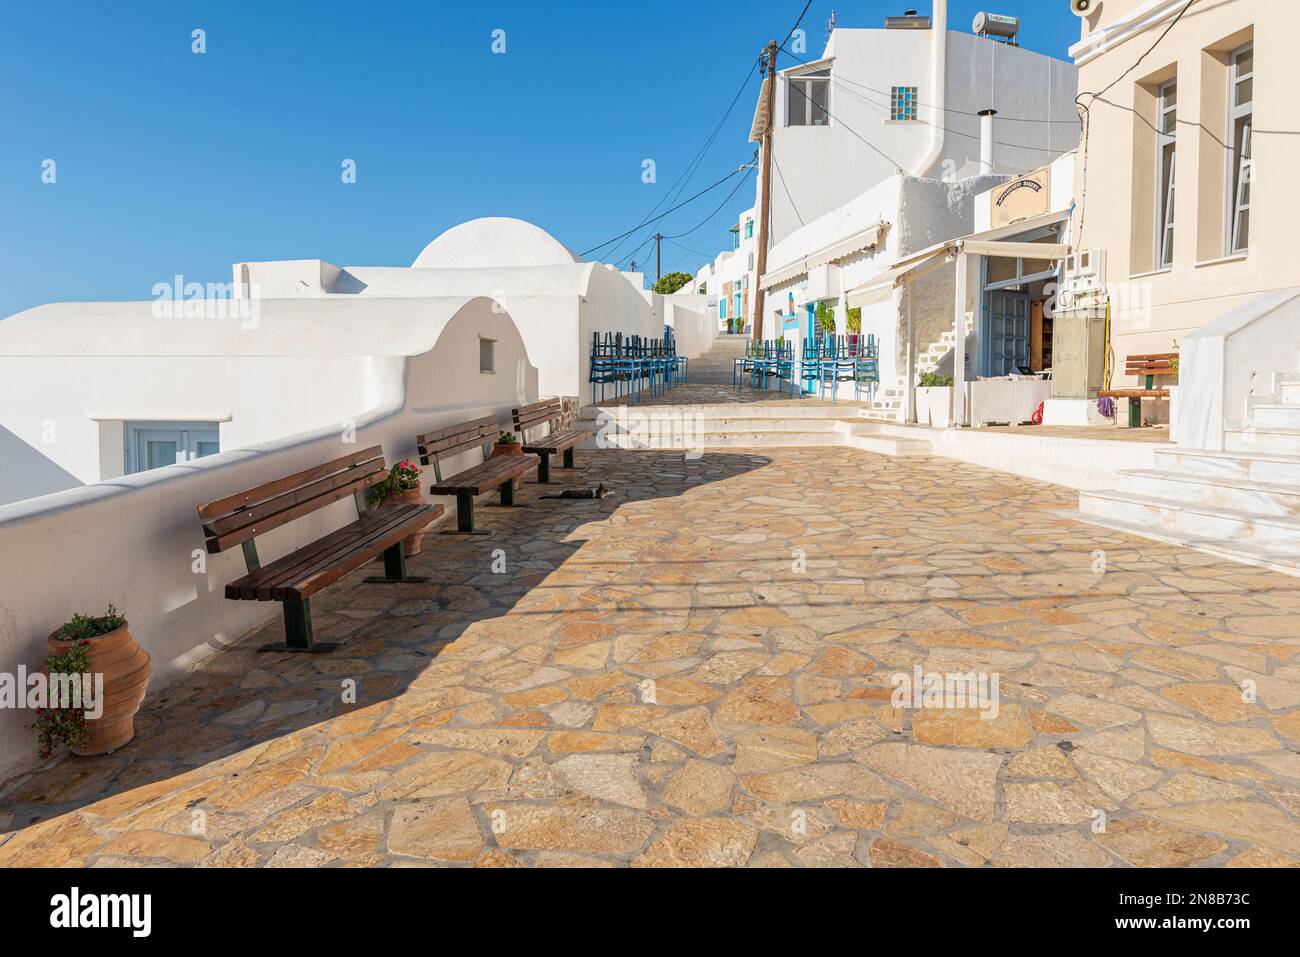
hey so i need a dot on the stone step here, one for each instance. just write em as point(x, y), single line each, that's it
point(730, 440)
point(1278, 558)
point(1270, 416)
point(1192, 521)
point(1251, 438)
point(1272, 467)
point(1237, 494)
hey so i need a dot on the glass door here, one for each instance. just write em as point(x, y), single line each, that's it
point(1006, 345)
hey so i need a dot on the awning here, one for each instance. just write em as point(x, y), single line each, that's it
point(842, 249)
point(759, 127)
point(859, 242)
point(989, 243)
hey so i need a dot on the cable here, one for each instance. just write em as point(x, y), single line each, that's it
point(1085, 116)
point(688, 232)
point(693, 166)
point(796, 23)
point(781, 177)
point(854, 132)
point(662, 215)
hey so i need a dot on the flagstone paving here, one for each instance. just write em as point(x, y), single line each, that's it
point(697, 671)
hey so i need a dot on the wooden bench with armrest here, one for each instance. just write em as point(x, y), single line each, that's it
point(558, 440)
point(292, 580)
point(498, 473)
point(1164, 364)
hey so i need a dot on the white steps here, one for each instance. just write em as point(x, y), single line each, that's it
point(1242, 504)
point(1275, 558)
point(1190, 520)
point(705, 427)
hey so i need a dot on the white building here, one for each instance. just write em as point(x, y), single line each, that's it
point(880, 150)
point(729, 281)
point(90, 392)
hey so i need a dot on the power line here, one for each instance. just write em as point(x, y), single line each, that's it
point(656, 219)
point(693, 166)
point(796, 24)
point(1085, 115)
point(705, 221)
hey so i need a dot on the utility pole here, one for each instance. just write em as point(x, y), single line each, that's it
point(765, 213)
point(659, 256)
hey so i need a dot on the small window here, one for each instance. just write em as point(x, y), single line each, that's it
point(1166, 159)
point(722, 308)
point(749, 229)
point(809, 99)
point(1241, 120)
point(155, 445)
point(487, 356)
point(903, 103)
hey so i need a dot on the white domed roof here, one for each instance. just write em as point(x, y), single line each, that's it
point(494, 242)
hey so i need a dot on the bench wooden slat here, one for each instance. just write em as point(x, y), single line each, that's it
point(537, 414)
point(484, 478)
point(416, 517)
point(247, 532)
point(224, 506)
point(455, 438)
point(256, 585)
point(557, 441)
point(309, 569)
point(263, 513)
point(1134, 394)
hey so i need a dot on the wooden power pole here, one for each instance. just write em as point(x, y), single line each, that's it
point(765, 211)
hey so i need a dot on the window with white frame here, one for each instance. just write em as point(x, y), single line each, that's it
point(155, 445)
point(903, 103)
point(809, 99)
point(1166, 162)
point(1241, 120)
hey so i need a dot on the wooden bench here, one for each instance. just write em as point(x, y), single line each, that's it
point(551, 414)
point(293, 579)
point(1162, 364)
point(494, 473)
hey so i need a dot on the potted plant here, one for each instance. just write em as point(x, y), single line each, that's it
point(95, 647)
point(402, 487)
point(507, 445)
point(934, 399)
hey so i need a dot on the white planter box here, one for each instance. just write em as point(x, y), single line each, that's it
point(937, 405)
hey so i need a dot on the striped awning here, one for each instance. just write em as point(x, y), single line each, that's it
point(841, 249)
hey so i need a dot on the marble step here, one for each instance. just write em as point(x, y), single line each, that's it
point(1278, 558)
point(730, 440)
point(1269, 416)
point(1184, 519)
point(1276, 468)
point(1272, 439)
point(1239, 494)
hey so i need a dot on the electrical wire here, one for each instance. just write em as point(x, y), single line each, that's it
point(1085, 116)
point(656, 219)
point(693, 166)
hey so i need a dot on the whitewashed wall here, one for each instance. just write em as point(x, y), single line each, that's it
point(133, 542)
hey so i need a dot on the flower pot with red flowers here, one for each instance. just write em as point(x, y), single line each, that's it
point(402, 487)
point(100, 652)
point(507, 445)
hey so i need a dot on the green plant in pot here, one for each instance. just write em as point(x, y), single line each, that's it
point(110, 666)
point(507, 445)
point(401, 487)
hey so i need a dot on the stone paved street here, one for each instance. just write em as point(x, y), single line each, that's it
point(697, 670)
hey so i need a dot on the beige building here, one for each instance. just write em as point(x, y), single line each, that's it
point(1186, 180)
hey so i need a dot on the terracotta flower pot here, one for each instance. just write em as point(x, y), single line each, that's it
point(125, 667)
point(506, 449)
point(411, 496)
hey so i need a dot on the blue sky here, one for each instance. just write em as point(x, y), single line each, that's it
point(170, 162)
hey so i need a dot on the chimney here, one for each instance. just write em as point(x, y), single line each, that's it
point(986, 141)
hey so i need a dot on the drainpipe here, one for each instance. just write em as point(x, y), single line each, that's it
point(986, 141)
point(938, 85)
